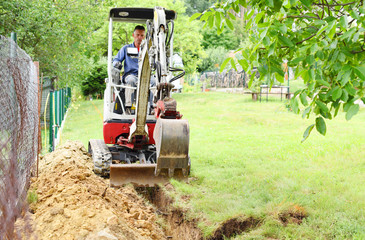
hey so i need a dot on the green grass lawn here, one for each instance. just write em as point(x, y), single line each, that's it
point(84, 122)
point(248, 160)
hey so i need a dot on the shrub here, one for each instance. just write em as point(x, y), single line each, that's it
point(214, 58)
point(94, 82)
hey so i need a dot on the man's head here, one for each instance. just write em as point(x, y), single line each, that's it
point(138, 35)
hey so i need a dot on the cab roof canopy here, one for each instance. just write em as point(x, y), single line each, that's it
point(137, 15)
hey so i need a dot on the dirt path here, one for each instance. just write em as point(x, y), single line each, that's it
point(74, 203)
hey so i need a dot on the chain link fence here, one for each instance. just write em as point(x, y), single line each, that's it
point(19, 126)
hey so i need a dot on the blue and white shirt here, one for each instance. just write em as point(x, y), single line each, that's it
point(130, 64)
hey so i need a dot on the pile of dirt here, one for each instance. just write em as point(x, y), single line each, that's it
point(74, 203)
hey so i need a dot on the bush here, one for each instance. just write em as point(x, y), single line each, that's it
point(94, 82)
point(213, 60)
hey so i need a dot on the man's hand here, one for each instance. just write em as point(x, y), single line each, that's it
point(118, 65)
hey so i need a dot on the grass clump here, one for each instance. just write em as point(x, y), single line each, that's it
point(32, 196)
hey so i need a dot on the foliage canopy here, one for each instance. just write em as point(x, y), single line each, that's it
point(68, 37)
point(322, 40)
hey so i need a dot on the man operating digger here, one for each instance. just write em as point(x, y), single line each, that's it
point(129, 54)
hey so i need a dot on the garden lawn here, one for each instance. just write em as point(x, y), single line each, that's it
point(84, 122)
point(248, 160)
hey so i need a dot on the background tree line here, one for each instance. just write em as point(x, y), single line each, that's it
point(69, 38)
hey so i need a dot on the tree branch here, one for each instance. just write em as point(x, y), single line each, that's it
point(355, 52)
point(304, 16)
point(306, 39)
point(329, 11)
point(333, 5)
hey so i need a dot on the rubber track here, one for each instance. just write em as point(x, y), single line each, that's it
point(101, 155)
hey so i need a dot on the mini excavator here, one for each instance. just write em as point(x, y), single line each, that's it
point(151, 144)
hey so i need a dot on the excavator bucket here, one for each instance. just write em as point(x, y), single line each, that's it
point(172, 146)
point(137, 174)
point(142, 175)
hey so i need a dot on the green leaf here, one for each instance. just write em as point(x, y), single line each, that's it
point(218, 20)
point(279, 77)
point(232, 16)
point(296, 93)
point(205, 16)
point(323, 83)
point(354, 15)
point(270, 3)
point(321, 126)
point(321, 30)
point(303, 98)
point(320, 55)
point(211, 21)
point(283, 29)
point(294, 105)
point(345, 95)
point(350, 90)
point(307, 132)
point(336, 109)
point(263, 33)
point(333, 44)
point(286, 41)
point(266, 41)
point(296, 61)
point(306, 3)
point(332, 31)
point(310, 59)
point(250, 14)
point(243, 3)
point(251, 80)
point(259, 16)
point(314, 48)
point(271, 49)
point(353, 110)
point(224, 64)
point(311, 74)
point(360, 72)
point(243, 64)
point(195, 16)
point(356, 37)
point(233, 64)
point(229, 24)
point(306, 112)
point(346, 77)
point(322, 106)
point(343, 22)
point(342, 57)
point(337, 92)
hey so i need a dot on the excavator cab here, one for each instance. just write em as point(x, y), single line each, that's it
point(143, 147)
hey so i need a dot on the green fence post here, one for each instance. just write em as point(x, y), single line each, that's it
point(51, 147)
point(64, 102)
point(62, 105)
point(69, 97)
point(56, 110)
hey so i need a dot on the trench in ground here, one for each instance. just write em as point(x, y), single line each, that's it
point(179, 227)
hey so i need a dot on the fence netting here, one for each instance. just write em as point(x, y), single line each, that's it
point(19, 119)
point(226, 79)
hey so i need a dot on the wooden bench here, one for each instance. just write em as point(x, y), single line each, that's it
point(284, 90)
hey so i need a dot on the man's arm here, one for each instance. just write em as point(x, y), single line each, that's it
point(117, 62)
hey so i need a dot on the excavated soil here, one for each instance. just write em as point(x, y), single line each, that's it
point(74, 203)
